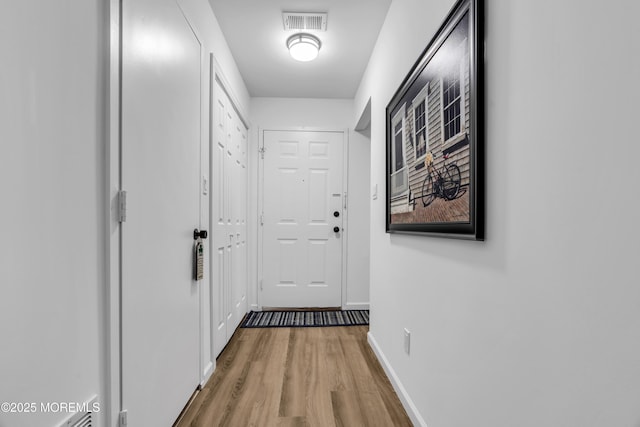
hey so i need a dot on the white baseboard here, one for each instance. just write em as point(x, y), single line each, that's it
point(405, 399)
point(356, 306)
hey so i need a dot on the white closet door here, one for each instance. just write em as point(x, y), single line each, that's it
point(229, 207)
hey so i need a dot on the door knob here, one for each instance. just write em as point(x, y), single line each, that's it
point(336, 214)
point(336, 229)
point(199, 234)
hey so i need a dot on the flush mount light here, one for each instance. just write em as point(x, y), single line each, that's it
point(303, 47)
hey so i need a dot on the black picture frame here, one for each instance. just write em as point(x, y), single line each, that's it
point(435, 134)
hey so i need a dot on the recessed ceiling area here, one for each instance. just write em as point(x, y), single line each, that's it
point(255, 33)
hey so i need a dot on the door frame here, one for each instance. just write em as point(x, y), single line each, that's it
point(345, 195)
point(112, 229)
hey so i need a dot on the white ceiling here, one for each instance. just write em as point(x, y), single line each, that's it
point(256, 36)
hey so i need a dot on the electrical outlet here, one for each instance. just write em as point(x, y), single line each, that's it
point(407, 340)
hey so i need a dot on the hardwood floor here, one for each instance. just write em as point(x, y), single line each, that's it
point(297, 377)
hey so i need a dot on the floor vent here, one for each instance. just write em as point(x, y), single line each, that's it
point(83, 419)
point(295, 21)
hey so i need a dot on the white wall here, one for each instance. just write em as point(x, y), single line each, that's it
point(358, 207)
point(334, 114)
point(208, 30)
point(537, 326)
point(54, 154)
point(52, 214)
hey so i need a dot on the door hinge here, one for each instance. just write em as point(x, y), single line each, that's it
point(261, 219)
point(122, 419)
point(345, 200)
point(261, 150)
point(122, 206)
point(260, 284)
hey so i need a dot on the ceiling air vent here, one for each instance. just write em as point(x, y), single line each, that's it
point(304, 21)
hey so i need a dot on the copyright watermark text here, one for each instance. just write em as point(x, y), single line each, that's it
point(48, 407)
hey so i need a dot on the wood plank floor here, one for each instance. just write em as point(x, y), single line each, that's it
point(297, 377)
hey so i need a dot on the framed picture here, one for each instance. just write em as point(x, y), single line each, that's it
point(435, 156)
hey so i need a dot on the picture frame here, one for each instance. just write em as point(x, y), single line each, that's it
point(435, 135)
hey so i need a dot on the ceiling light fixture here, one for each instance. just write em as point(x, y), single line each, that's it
point(303, 47)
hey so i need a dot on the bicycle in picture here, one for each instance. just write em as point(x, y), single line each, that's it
point(444, 183)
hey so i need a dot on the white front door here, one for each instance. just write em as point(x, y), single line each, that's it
point(160, 172)
point(302, 219)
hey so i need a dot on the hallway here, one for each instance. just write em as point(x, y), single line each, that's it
point(537, 326)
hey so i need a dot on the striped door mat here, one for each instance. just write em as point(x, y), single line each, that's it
point(294, 319)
